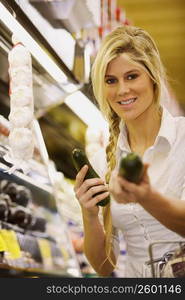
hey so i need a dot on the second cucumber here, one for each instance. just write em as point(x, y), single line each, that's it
point(80, 159)
point(131, 167)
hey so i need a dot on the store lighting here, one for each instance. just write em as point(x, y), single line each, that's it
point(47, 63)
point(70, 87)
point(77, 101)
point(86, 110)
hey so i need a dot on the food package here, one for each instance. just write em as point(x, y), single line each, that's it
point(21, 137)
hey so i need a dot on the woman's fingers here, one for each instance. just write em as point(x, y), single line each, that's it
point(80, 177)
point(87, 185)
point(86, 189)
point(126, 185)
point(93, 201)
point(93, 191)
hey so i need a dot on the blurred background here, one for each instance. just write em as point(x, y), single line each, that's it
point(62, 38)
point(69, 32)
point(165, 21)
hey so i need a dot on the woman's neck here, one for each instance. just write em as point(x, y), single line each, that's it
point(142, 131)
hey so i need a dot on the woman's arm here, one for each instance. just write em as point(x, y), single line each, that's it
point(94, 246)
point(94, 236)
point(169, 212)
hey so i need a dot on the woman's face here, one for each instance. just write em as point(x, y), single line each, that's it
point(129, 89)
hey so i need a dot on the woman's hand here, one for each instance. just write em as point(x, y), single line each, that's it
point(86, 190)
point(125, 191)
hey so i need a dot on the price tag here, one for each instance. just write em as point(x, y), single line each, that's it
point(11, 242)
point(3, 246)
point(45, 250)
point(65, 253)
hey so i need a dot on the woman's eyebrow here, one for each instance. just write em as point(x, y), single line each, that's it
point(130, 71)
point(109, 75)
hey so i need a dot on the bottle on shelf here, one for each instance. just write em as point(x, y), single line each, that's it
point(37, 223)
point(18, 193)
point(3, 210)
point(19, 215)
point(5, 202)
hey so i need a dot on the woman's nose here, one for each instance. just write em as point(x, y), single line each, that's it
point(123, 88)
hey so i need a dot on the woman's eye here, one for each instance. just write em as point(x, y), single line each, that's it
point(110, 80)
point(132, 76)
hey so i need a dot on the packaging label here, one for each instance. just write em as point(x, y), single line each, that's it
point(45, 250)
point(10, 243)
point(3, 246)
point(65, 253)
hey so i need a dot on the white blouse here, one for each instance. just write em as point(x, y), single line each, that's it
point(167, 175)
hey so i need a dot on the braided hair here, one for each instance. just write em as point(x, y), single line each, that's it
point(141, 48)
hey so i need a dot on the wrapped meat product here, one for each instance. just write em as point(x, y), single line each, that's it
point(21, 96)
point(21, 139)
point(15, 39)
point(17, 193)
point(20, 117)
point(20, 76)
point(21, 149)
point(19, 56)
point(20, 71)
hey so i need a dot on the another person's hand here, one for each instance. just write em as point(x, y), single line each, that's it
point(124, 191)
point(85, 191)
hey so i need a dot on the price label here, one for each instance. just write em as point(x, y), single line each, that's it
point(65, 253)
point(10, 243)
point(3, 246)
point(45, 250)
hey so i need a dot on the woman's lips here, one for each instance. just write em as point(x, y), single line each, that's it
point(127, 102)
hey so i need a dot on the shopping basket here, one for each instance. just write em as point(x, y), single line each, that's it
point(171, 264)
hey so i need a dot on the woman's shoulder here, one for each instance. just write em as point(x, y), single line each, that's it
point(179, 133)
point(180, 124)
point(180, 119)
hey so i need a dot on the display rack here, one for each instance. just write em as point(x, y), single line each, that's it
point(36, 251)
point(27, 249)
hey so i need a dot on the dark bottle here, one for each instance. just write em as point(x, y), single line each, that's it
point(8, 188)
point(4, 206)
point(23, 196)
point(19, 215)
point(3, 210)
point(38, 224)
point(18, 193)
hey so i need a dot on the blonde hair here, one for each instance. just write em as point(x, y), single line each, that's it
point(141, 49)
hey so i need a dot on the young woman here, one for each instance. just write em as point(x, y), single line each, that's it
point(129, 81)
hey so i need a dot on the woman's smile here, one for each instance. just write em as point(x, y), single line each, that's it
point(129, 88)
point(127, 102)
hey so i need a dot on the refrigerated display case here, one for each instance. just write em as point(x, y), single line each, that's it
point(34, 236)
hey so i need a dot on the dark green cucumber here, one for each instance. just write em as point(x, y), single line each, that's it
point(131, 167)
point(80, 159)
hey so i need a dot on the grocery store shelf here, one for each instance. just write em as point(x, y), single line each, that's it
point(22, 18)
point(7, 271)
point(42, 193)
